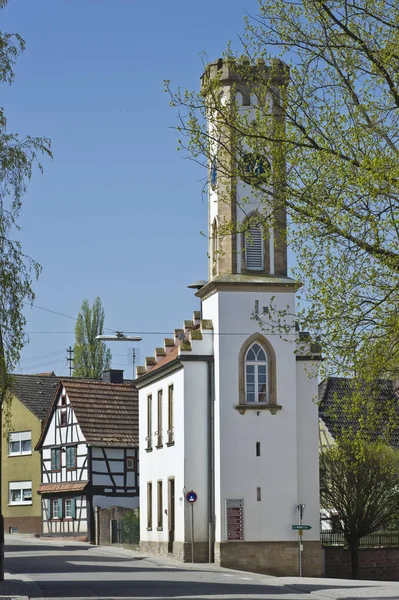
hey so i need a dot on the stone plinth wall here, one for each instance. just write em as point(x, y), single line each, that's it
point(374, 563)
point(271, 558)
point(180, 550)
point(24, 524)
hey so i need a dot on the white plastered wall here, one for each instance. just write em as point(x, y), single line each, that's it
point(239, 472)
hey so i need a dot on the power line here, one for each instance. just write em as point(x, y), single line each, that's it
point(55, 312)
point(40, 356)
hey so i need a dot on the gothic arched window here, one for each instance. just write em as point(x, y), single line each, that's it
point(256, 374)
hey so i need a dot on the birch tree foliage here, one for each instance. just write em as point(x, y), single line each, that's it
point(333, 149)
point(18, 157)
point(91, 356)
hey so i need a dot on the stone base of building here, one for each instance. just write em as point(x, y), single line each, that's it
point(31, 525)
point(179, 550)
point(271, 558)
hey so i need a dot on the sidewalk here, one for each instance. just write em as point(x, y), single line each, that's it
point(18, 587)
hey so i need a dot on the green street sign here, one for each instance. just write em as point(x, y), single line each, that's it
point(298, 527)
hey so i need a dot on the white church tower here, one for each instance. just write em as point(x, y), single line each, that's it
point(242, 425)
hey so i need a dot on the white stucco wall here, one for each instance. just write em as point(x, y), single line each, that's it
point(308, 446)
point(241, 472)
point(163, 463)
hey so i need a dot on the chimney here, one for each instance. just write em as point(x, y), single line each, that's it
point(113, 376)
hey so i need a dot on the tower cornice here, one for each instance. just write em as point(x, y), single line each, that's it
point(248, 283)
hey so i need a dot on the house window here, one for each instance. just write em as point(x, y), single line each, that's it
point(56, 508)
point(149, 505)
point(63, 417)
point(170, 416)
point(63, 400)
point(20, 492)
point(19, 443)
point(148, 439)
point(69, 508)
point(71, 457)
point(159, 505)
point(254, 248)
point(159, 415)
point(256, 374)
point(130, 463)
point(56, 459)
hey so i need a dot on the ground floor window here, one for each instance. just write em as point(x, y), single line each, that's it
point(20, 492)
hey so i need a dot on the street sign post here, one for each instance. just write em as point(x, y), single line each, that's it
point(191, 498)
point(305, 527)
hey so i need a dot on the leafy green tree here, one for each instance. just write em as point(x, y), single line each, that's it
point(359, 483)
point(334, 149)
point(18, 156)
point(91, 356)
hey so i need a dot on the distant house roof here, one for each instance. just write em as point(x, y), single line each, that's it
point(36, 392)
point(107, 413)
point(333, 393)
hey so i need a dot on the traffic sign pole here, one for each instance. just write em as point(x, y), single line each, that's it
point(191, 497)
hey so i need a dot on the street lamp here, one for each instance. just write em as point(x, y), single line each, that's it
point(119, 337)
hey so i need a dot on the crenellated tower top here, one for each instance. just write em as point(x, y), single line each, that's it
point(247, 217)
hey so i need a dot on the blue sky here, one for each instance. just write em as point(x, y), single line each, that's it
point(118, 212)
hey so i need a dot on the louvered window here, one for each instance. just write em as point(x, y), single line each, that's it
point(254, 248)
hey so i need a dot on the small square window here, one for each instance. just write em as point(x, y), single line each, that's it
point(130, 463)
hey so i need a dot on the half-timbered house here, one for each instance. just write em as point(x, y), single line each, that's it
point(89, 455)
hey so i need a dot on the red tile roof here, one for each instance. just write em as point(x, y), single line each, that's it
point(172, 355)
point(107, 413)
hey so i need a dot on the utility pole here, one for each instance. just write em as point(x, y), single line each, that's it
point(70, 352)
point(133, 357)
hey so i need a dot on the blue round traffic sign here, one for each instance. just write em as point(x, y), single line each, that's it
point(191, 497)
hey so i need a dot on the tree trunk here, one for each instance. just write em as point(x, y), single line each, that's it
point(354, 550)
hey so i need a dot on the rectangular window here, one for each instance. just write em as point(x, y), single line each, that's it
point(149, 505)
point(19, 443)
point(159, 416)
point(20, 492)
point(63, 418)
point(257, 448)
point(170, 415)
point(56, 459)
point(63, 400)
point(149, 423)
point(71, 457)
point(130, 463)
point(56, 508)
point(69, 508)
point(258, 494)
point(159, 505)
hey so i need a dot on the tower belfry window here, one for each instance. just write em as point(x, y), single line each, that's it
point(254, 248)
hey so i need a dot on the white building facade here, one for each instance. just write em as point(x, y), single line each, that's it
point(228, 407)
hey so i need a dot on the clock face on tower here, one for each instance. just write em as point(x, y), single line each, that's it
point(214, 174)
point(254, 166)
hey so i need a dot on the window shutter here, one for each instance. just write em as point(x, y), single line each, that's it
point(254, 249)
point(73, 508)
point(60, 515)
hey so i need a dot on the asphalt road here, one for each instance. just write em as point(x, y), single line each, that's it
point(80, 571)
